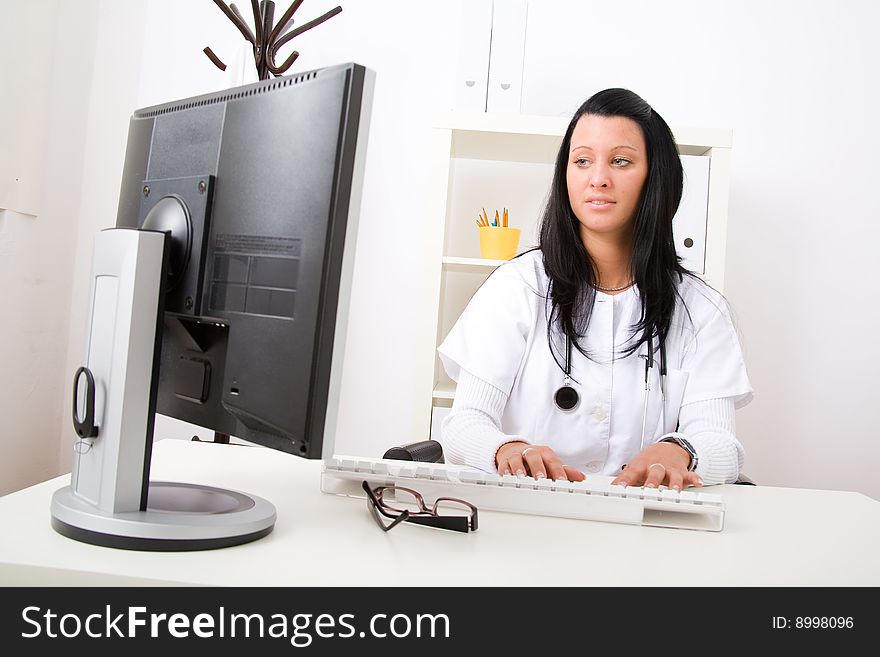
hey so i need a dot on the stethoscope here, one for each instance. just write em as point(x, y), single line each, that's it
point(567, 398)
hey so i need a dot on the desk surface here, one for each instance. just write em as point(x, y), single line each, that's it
point(772, 537)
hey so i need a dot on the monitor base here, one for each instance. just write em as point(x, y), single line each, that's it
point(179, 517)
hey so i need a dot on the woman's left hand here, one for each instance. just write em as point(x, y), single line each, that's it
point(660, 464)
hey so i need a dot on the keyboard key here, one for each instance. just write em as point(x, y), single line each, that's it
point(563, 486)
point(472, 477)
point(709, 499)
point(380, 468)
point(670, 495)
point(598, 488)
point(651, 494)
point(439, 474)
point(616, 490)
point(544, 484)
point(579, 487)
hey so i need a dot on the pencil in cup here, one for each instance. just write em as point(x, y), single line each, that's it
point(500, 221)
point(498, 241)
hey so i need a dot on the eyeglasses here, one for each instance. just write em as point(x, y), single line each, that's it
point(391, 505)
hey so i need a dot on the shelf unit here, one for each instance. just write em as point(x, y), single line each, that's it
point(495, 160)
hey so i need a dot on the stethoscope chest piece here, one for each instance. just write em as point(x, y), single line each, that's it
point(566, 398)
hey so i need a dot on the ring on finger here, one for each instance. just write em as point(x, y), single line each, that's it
point(526, 451)
point(656, 464)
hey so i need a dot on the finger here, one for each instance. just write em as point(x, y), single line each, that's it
point(693, 479)
point(675, 480)
point(505, 467)
point(555, 469)
point(534, 463)
point(655, 476)
point(515, 463)
point(632, 476)
point(574, 475)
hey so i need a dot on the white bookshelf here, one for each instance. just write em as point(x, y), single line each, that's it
point(506, 160)
point(469, 264)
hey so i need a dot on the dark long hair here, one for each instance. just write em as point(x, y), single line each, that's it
point(655, 267)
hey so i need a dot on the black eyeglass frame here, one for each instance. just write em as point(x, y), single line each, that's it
point(424, 516)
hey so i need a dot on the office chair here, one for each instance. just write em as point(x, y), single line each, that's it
point(430, 451)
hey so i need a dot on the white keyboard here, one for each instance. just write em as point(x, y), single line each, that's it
point(592, 499)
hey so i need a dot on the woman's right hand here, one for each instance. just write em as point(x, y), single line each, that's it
point(539, 461)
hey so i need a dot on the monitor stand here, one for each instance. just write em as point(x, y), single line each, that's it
point(178, 517)
point(110, 500)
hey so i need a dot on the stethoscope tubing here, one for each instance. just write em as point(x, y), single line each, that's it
point(566, 398)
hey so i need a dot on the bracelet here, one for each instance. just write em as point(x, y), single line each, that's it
point(685, 444)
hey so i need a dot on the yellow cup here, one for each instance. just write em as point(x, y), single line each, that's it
point(498, 243)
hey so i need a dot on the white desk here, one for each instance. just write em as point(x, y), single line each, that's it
point(772, 537)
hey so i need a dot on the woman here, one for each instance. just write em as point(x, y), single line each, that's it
point(555, 351)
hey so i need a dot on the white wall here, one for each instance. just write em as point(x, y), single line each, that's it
point(44, 94)
point(797, 84)
point(793, 81)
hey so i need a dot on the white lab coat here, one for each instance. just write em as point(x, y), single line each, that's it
point(501, 338)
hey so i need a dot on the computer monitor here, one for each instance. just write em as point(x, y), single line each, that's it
point(258, 186)
point(252, 195)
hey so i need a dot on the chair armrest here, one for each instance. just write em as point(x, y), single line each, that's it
point(426, 451)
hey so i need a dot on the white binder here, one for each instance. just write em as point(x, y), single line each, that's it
point(472, 77)
point(506, 56)
point(689, 223)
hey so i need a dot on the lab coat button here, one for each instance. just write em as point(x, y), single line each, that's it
point(599, 413)
point(594, 466)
